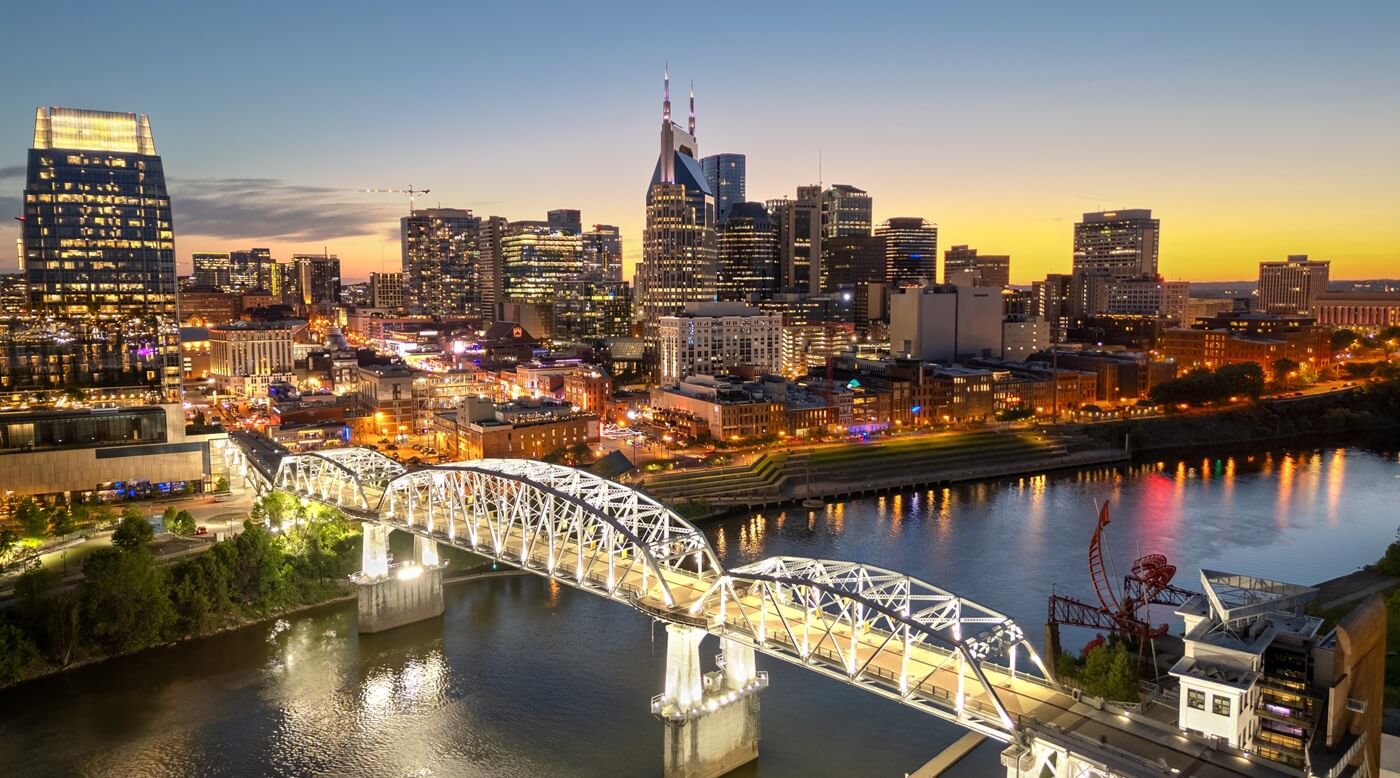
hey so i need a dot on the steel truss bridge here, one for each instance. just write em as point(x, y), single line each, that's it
point(885, 632)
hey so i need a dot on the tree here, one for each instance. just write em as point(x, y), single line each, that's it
point(125, 606)
point(1342, 340)
point(8, 540)
point(103, 515)
point(133, 533)
point(131, 510)
point(221, 485)
point(61, 522)
point(182, 524)
point(276, 508)
point(50, 617)
point(32, 518)
point(1109, 673)
point(1283, 370)
point(18, 654)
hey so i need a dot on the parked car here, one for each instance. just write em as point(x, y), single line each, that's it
point(201, 530)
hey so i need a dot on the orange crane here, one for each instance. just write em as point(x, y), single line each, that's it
point(410, 191)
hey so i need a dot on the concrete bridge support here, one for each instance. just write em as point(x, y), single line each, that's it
point(711, 719)
point(403, 594)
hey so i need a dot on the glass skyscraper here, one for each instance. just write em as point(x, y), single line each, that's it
point(536, 257)
point(726, 176)
point(98, 257)
point(911, 250)
point(442, 262)
point(748, 254)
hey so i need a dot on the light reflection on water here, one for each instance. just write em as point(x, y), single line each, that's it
point(524, 677)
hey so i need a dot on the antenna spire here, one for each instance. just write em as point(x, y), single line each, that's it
point(692, 109)
point(666, 94)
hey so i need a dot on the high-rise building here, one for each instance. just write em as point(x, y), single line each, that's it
point(1154, 297)
point(718, 338)
point(587, 310)
point(386, 291)
point(251, 270)
point(799, 224)
point(98, 255)
point(679, 260)
point(847, 211)
point(983, 270)
point(536, 257)
point(442, 261)
point(726, 176)
point(748, 254)
point(1293, 285)
point(856, 264)
point(492, 288)
point(246, 357)
point(566, 220)
point(211, 270)
point(1119, 244)
point(945, 323)
point(911, 250)
point(1052, 301)
point(318, 278)
point(602, 253)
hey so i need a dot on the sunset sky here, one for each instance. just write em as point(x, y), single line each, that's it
point(1252, 129)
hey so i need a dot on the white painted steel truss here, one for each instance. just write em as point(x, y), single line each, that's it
point(903, 637)
point(352, 478)
point(559, 522)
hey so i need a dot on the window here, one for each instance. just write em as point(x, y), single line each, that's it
point(1221, 705)
point(1195, 698)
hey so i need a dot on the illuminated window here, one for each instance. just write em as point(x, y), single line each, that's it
point(1195, 698)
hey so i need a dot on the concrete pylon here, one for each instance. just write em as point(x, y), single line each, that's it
point(425, 551)
point(404, 594)
point(374, 556)
point(711, 719)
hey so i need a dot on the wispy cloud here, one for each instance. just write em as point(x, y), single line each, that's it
point(252, 208)
point(13, 171)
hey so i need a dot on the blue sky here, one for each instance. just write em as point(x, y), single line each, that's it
point(1253, 129)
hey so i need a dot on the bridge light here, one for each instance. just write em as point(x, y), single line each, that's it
point(408, 572)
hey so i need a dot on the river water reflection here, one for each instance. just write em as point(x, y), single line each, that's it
point(522, 677)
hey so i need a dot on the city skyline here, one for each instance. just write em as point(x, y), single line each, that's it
point(1004, 157)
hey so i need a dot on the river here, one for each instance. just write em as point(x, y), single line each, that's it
point(522, 677)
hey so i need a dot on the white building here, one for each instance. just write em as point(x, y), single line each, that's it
point(246, 357)
point(1022, 336)
point(1149, 297)
point(1292, 286)
point(941, 323)
point(718, 338)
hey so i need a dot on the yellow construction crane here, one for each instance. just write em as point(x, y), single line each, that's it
point(410, 191)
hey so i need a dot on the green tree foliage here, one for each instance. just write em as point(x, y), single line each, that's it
point(131, 511)
point(102, 515)
point(1342, 339)
point(221, 485)
point(182, 524)
point(18, 654)
point(133, 532)
point(1202, 386)
point(48, 615)
point(33, 519)
point(1283, 369)
point(62, 522)
point(125, 606)
point(1107, 671)
point(8, 540)
point(276, 509)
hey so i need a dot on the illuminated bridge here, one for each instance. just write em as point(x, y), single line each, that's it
point(885, 632)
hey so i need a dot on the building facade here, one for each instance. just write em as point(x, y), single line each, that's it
point(442, 261)
point(1118, 244)
point(963, 264)
point(718, 338)
point(318, 278)
point(726, 175)
point(97, 249)
point(586, 310)
point(748, 254)
point(847, 212)
point(1292, 287)
point(943, 323)
point(386, 291)
point(245, 357)
point(602, 253)
point(911, 251)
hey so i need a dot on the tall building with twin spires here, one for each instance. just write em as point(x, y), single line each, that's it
point(679, 259)
point(98, 257)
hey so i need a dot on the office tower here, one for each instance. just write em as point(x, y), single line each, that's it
point(855, 264)
point(441, 261)
point(983, 270)
point(1051, 301)
point(587, 310)
point(286, 279)
point(535, 258)
point(748, 254)
point(679, 260)
point(318, 278)
point(245, 357)
point(602, 253)
point(718, 338)
point(1151, 297)
point(911, 250)
point(565, 220)
point(1292, 286)
point(211, 271)
point(386, 291)
point(488, 249)
point(799, 224)
point(251, 270)
point(98, 255)
point(1119, 244)
point(726, 176)
point(846, 211)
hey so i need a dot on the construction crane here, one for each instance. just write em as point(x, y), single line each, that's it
point(410, 191)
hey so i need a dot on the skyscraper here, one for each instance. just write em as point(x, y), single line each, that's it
point(492, 287)
point(1292, 286)
point(726, 176)
point(1118, 244)
point(748, 254)
point(984, 270)
point(441, 261)
point(98, 254)
point(846, 211)
point(566, 220)
point(536, 257)
point(602, 253)
point(799, 224)
point(856, 263)
point(386, 290)
point(679, 261)
point(587, 310)
point(211, 270)
point(318, 278)
point(911, 250)
point(252, 269)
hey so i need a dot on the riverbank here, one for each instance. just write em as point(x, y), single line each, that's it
point(1369, 409)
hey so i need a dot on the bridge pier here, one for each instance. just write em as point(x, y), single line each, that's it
point(405, 593)
point(711, 719)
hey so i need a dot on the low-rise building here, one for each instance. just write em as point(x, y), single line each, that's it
point(1022, 336)
point(945, 322)
point(722, 406)
point(386, 394)
point(1120, 376)
point(1358, 310)
point(1242, 336)
point(589, 389)
point(520, 429)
